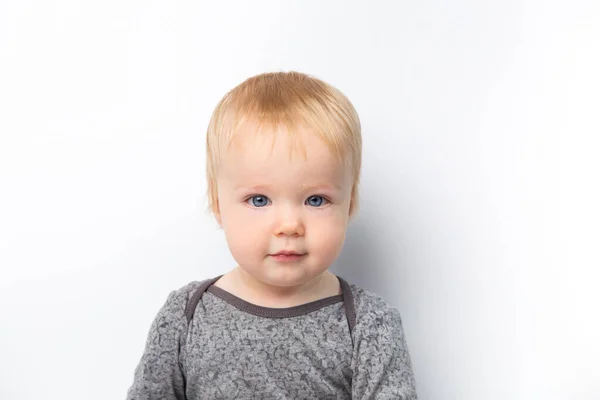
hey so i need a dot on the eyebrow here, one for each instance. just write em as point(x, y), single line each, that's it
point(321, 187)
point(259, 188)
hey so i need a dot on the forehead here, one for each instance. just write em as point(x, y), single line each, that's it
point(273, 155)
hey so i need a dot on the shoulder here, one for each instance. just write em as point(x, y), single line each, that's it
point(178, 299)
point(374, 314)
point(182, 294)
point(173, 309)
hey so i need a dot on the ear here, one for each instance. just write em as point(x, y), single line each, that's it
point(217, 214)
point(353, 208)
point(351, 213)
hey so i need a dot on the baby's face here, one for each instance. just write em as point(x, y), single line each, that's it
point(270, 202)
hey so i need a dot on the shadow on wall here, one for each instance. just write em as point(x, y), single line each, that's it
point(373, 257)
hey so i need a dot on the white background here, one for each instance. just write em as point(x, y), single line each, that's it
point(479, 218)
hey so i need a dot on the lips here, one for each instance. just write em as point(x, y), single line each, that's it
point(287, 253)
point(287, 256)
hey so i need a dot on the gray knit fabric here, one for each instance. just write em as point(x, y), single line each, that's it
point(228, 353)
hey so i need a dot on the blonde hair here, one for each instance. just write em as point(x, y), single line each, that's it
point(292, 99)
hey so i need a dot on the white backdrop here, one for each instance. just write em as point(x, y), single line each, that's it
point(479, 217)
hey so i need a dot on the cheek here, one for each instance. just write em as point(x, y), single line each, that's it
point(328, 236)
point(241, 231)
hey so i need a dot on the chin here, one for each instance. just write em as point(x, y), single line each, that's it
point(283, 275)
point(293, 278)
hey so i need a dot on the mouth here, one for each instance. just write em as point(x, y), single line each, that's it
point(287, 256)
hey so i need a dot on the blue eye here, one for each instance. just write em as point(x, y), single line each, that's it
point(315, 201)
point(258, 200)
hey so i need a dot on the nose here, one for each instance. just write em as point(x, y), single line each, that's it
point(289, 223)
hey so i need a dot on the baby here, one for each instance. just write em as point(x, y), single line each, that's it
point(283, 167)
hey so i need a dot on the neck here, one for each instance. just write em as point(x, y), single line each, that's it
point(260, 293)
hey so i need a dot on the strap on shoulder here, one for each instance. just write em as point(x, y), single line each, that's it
point(191, 305)
point(348, 305)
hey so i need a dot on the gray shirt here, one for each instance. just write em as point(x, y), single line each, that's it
point(349, 346)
